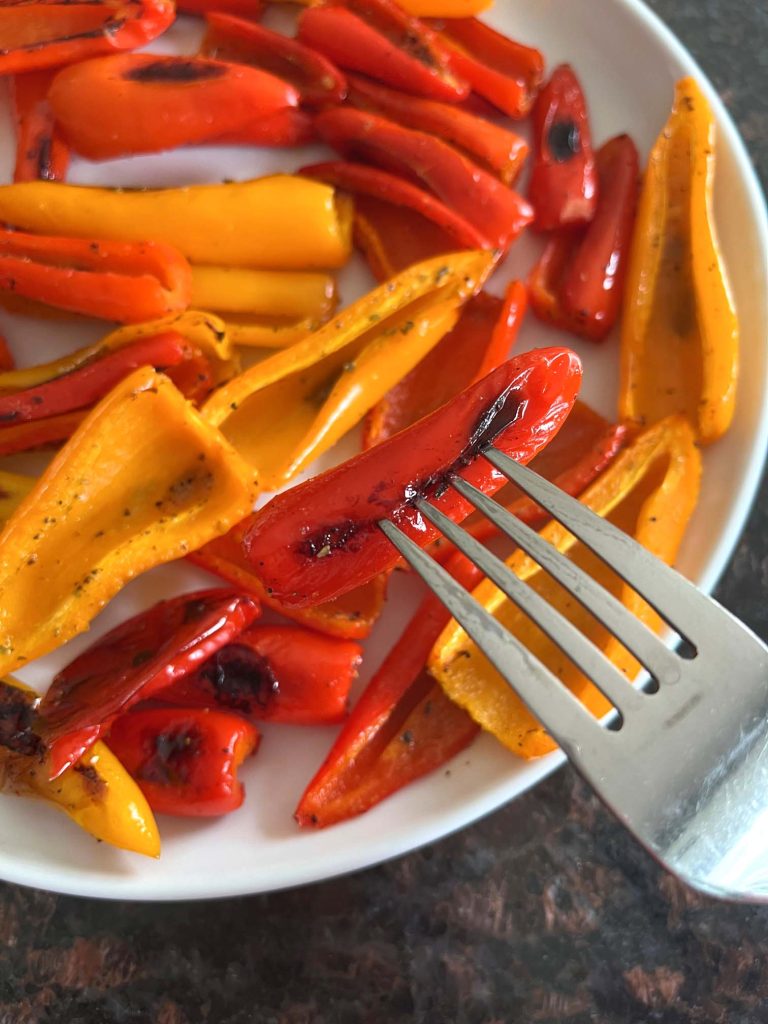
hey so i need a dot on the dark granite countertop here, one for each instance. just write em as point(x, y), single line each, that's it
point(545, 912)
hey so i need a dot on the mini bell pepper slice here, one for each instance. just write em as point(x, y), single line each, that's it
point(320, 388)
point(351, 616)
point(286, 129)
point(377, 38)
point(96, 793)
point(402, 727)
point(322, 538)
point(144, 103)
point(495, 147)
point(392, 238)
point(505, 73)
point(564, 181)
point(47, 433)
point(123, 281)
point(314, 77)
point(370, 182)
point(264, 293)
point(649, 491)
point(41, 152)
point(680, 330)
point(269, 332)
point(7, 360)
point(578, 283)
point(480, 341)
point(444, 8)
point(241, 224)
point(241, 8)
point(133, 661)
point(185, 760)
point(49, 33)
point(274, 674)
point(143, 481)
point(477, 196)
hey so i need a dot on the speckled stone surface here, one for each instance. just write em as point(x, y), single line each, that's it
point(544, 912)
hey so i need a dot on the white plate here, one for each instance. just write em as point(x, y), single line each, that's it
point(628, 62)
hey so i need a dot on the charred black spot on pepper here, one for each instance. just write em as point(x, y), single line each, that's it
point(44, 159)
point(175, 71)
point(17, 717)
point(194, 610)
point(93, 781)
point(564, 141)
point(241, 678)
point(338, 537)
point(174, 752)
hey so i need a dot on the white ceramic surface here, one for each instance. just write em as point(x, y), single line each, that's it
point(628, 62)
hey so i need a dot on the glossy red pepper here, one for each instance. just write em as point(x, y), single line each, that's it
point(144, 103)
point(125, 281)
point(377, 38)
point(240, 8)
point(564, 183)
point(351, 616)
point(322, 538)
point(7, 360)
point(497, 212)
point(578, 282)
point(26, 437)
point(185, 760)
point(500, 70)
point(315, 78)
point(480, 341)
point(389, 188)
point(49, 33)
point(287, 128)
point(134, 660)
point(274, 674)
point(392, 237)
point(495, 147)
point(41, 152)
point(402, 727)
point(85, 386)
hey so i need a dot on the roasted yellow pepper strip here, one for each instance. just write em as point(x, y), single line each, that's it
point(142, 481)
point(292, 406)
point(204, 330)
point(14, 487)
point(281, 222)
point(680, 333)
point(650, 491)
point(262, 332)
point(97, 793)
point(266, 293)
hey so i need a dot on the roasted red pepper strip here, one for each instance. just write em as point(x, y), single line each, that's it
point(392, 237)
point(49, 33)
point(564, 182)
point(351, 616)
point(377, 38)
point(84, 387)
point(185, 760)
point(144, 103)
point(125, 281)
point(481, 199)
point(134, 660)
point(322, 538)
point(379, 185)
point(7, 361)
point(241, 8)
point(274, 674)
point(316, 79)
point(502, 71)
point(25, 437)
point(480, 341)
point(578, 282)
point(287, 128)
point(41, 152)
point(402, 727)
point(497, 148)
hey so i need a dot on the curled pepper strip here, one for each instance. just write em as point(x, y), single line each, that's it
point(377, 38)
point(49, 33)
point(495, 147)
point(241, 224)
point(477, 196)
point(164, 483)
point(315, 78)
point(321, 538)
point(680, 331)
point(143, 103)
point(564, 182)
point(120, 281)
point(41, 152)
point(185, 761)
point(649, 491)
point(263, 292)
point(96, 793)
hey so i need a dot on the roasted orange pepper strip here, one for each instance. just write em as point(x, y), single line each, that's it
point(41, 152)
point(649, 491)
point(680, 332)
point(393, 237)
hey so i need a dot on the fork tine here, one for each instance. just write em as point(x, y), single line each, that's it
point(670, 594)
point(536, 686)
point(662, 663)
point(584, 654)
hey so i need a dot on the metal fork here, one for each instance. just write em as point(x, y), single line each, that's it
point(685, 768)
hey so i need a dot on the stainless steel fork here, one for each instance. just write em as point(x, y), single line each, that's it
point(685, 767)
